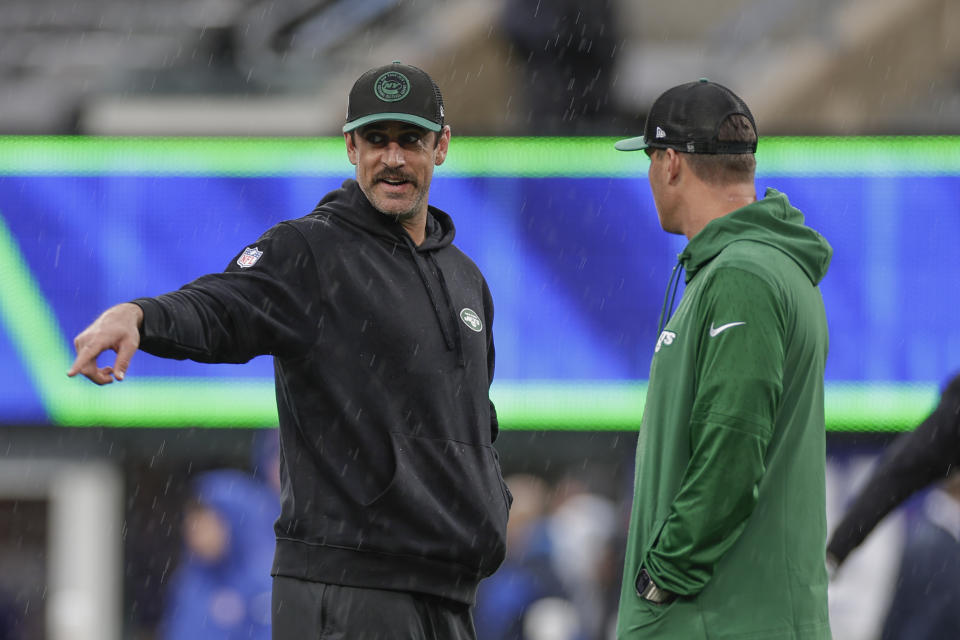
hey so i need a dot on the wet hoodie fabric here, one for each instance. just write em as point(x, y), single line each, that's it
point(383, 358)
point(729, 501)
point(227, 598)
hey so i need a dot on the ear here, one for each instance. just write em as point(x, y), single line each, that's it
point(442, 146)
point(352, 152)
point(672, 165)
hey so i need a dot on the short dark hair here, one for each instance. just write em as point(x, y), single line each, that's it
point(727, 168)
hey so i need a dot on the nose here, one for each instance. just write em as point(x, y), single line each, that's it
point(393, 155)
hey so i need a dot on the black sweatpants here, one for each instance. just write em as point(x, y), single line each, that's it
point(318, 611)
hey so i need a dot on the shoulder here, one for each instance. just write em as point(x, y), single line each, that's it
point(752, 255)
point(756, 259)
point(745, 275)
point(454, 260)
point(318, 227)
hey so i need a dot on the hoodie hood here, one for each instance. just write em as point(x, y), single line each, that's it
point(772, 221)
point(350, 204)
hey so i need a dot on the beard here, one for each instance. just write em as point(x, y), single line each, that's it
point(397, 208)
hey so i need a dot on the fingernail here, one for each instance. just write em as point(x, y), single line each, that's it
point(119, 375)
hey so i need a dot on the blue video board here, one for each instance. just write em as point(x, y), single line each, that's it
point(577, 265)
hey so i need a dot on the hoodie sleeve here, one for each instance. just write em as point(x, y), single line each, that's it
point(738, 387)
point(259, 305)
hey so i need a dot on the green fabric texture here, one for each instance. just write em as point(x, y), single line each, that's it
point(729, 499)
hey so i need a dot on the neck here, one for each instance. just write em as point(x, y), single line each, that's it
point(709, 203)
point(416, 227)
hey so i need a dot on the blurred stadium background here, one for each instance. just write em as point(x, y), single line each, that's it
point(144, 143)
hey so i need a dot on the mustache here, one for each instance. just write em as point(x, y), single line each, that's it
point(392, 174)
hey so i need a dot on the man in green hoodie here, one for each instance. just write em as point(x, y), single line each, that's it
point(728, 526)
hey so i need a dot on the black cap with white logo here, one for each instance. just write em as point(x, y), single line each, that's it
point(687, 117)
point(395, 91)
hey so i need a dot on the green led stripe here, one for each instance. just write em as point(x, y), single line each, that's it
point(573, 405)
point(75, 155)
point(169, 402)
point(861, 156)
point(539, 405)
point(506, 157)
point(30, 323)
point(878, 406)
point(540, 157)
point(592, 405)
point(776, 156)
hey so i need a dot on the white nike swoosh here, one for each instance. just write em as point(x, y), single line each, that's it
point(723, 327)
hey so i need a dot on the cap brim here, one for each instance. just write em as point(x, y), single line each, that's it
point(397, 117)
point(631, 144)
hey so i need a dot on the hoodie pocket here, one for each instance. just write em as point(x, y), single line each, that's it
point(446, 501)
point(643, 613)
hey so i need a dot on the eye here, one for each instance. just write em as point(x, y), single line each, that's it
point(375, 138)
point(410, 138)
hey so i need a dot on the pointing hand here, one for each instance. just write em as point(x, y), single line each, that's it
point(117, 329)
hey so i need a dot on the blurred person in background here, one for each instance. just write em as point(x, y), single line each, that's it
point(914, 460)
point(380, 329)
point(926, 597)
point(728, 527)
point(582, 526)
point(525, 599)
point(265, 458)
point(221, 589)
point(565, 51)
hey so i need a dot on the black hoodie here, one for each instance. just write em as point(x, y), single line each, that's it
point(383, 358)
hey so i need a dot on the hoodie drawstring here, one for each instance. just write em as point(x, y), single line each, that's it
point(451, 342)
point(666, 312)
point(453, 312)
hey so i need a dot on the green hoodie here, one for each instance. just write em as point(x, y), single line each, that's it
point(729, 500)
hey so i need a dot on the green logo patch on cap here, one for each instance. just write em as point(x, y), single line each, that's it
point(391, 86)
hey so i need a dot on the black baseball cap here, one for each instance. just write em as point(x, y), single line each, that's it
point(395, 91)
point(686, 118)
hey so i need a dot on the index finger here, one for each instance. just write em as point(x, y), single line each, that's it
point(85, 355)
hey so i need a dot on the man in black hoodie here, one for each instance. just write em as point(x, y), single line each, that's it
point(393, 505)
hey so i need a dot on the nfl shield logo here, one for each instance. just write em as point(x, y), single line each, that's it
point(249, 257)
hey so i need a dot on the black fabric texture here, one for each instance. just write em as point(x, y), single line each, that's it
point(320, 611)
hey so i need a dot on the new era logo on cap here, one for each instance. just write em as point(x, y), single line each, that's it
point(661, 133)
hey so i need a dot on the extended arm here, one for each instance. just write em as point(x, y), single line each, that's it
point(225, 317)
